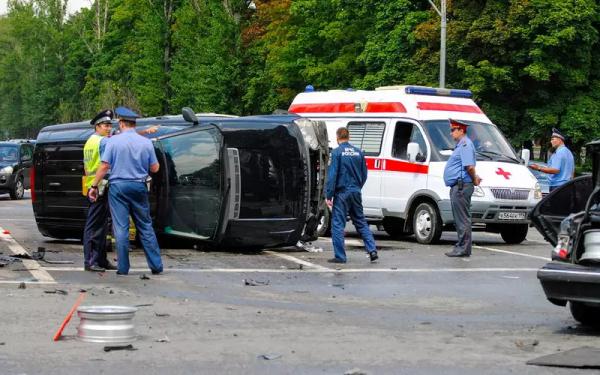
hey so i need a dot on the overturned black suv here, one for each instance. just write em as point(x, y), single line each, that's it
point(569, 218)
point(248, 182)
point(15, 166)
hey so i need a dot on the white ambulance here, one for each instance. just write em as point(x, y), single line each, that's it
point(405, 134)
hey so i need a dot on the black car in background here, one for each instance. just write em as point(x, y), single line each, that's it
point(248, 182)
point(569, 218)
point(15, 166)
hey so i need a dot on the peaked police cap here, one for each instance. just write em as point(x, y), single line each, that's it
point(126, 114)
point(104, 116)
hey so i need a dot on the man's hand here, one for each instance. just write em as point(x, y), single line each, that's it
point(476, 180)
point(329, 203)
point(535, 167)
point(93, 194)
point(153, 129)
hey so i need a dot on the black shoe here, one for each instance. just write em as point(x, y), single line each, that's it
point(335, 260)
point(373, 256)
point(95, 268)
point(121, 274)
point(156, 272)
point(457, 254)
point(110, 266)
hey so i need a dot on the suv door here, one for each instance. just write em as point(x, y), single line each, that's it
point(193, 183)
point(25, 159)
point(556, 206)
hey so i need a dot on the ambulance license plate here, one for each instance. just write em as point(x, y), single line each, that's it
point(511, 215)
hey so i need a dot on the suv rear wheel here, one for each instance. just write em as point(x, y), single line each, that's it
point(514, 233)
point(585, 314)
point(427, 224)
point(18, 190)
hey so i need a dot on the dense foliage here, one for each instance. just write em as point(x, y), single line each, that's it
point(532, 64)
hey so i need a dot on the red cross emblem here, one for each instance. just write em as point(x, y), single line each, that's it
point(504, 173)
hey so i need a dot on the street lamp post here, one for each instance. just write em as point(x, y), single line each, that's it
point(442, 14)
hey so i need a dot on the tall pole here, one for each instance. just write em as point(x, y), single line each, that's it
point(442, 14)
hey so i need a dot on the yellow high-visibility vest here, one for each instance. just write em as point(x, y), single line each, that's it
point(91, 161)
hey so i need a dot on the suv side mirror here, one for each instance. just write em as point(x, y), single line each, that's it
point(525, 155)
point(189, 115)
point(412, 150)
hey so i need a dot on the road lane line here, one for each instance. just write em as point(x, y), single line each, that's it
point(296, 260)
point(510, 252)
point(31, 265)
point(314, 270)
point(29, 282)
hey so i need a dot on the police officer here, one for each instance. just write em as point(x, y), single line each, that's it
point(346, 176)
point(94, 234)
point(130, 157)
point(561, 166)
point(460, 176)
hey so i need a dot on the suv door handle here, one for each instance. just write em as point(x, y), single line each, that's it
point(54, 184)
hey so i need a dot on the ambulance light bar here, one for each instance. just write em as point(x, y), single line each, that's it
point(420, 90)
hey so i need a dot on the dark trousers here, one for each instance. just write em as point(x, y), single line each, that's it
point(345, 203)
point(460, 200)
point(94, 234)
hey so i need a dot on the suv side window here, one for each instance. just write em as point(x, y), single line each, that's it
point(404, 134)
point(367, 136)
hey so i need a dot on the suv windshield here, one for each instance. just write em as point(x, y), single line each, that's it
point(8, 153)
point(489, 143)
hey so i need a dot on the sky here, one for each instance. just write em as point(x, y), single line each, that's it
point(72, 6)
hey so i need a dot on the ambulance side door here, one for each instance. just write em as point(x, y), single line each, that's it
point(400, 177)
point(368, 136)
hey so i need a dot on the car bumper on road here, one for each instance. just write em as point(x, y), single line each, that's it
point(6, 182)
point(564, 282)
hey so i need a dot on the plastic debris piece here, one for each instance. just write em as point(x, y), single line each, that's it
point(56, 291)
point(144, 277)
point(22, 285)
point(110, 348)
point(144, 305)
point(162, 315)
point(270, 357)
point(251, 282)
point(164, 339)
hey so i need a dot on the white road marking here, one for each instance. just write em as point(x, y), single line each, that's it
point(32, 266)
point(510, 252)
point(296, 260)
point(28, 282)
point(306, 270)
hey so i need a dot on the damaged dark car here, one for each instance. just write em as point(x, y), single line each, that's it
point(569, 218)
point(239, 182)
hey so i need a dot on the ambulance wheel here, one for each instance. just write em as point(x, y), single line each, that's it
point(394, 226)
point(427, 224)
point(514, 233)
point(324, 226)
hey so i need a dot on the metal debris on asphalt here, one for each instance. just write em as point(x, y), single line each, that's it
point(526, 345)
point(270, 357)
point(164, 339)
point(56, 291)
point(162, 315)
point(110, 348)
point(251, 282)
point(144, 277)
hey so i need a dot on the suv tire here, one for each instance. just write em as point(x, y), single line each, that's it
point(18, 190)
point(585, 314)
point(324, 226)
point(427, 224)
point(514, 233)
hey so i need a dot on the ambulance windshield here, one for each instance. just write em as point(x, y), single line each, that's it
point(489, 142)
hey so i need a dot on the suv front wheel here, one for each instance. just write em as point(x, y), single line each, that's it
point(18, 190)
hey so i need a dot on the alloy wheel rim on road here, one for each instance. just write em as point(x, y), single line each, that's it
point(20, 189)
point(423, 223)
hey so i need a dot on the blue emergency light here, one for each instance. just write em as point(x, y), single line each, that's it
point(456, 93)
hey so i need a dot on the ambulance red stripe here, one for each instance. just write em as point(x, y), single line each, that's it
point(392, 165)
point(373, 107)
point(426, 106)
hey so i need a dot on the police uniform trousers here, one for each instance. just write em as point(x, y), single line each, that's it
point(131, 198)
point(94, 234)
point(344, 203)
point(460, 200)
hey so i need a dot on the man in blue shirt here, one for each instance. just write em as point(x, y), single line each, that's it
point(346, 176)
point(561, 166)
point(130, 157)
point(460, 176)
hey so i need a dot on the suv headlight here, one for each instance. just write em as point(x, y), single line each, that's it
point(537, 192)
point(478, 192)
point(6, 170)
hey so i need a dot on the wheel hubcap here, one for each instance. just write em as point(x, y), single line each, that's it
point(20, 189)
point(321, 223)
point(423, 224)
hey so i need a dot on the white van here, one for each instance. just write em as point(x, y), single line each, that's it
point(405, 134)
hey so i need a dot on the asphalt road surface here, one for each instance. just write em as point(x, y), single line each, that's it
point(414, 311)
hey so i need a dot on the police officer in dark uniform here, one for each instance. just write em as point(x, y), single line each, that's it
point(346, 176)
point(94, 235)
point(460, 176)
point(130, 158)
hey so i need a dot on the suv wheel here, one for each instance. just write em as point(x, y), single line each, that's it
point(324, 226)
point(514, 233)
point(585, 314)
point(427, 224)
point(18, 190)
